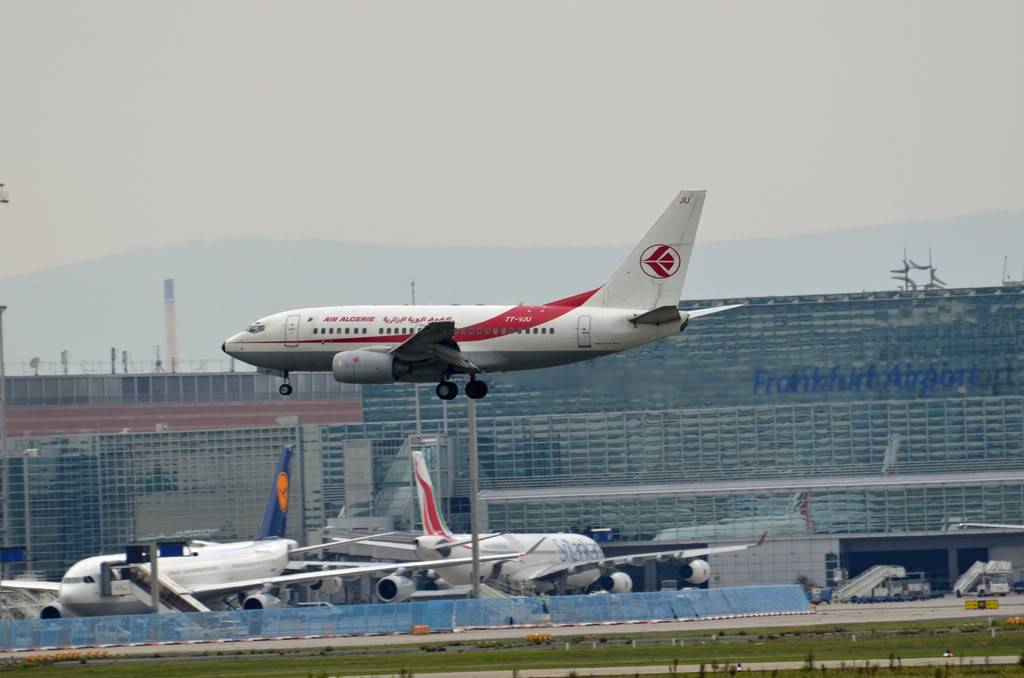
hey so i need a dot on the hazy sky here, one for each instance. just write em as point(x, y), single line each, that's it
point(136, 124)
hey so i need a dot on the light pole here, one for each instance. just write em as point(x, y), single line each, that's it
point(474, 490)
point(30, 453)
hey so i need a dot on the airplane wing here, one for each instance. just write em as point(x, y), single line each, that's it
point(700, 312)
point(993, 526)
point(634, 559)
point(29, 585)
point(434, 343)
point(336, 542)
point(228, 587)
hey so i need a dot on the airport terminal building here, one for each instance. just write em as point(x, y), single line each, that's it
point(853, 428)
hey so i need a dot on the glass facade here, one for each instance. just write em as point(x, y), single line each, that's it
point(83, 495)
point(146, 389)
point(923, 387)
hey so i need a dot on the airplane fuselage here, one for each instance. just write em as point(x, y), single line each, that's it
point(494, 338)
point(520, 574)
point(209, 563)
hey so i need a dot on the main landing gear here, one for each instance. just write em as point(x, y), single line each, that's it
point(447, 389)
point(475, 389)
point(285, 389)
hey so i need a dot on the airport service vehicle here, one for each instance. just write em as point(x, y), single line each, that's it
point(541, 563)
point(211, 574)
point(387, 344)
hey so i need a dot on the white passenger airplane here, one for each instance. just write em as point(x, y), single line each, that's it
point(797, 520)
point(387, 344)
point(541, 563)
point(211, 574)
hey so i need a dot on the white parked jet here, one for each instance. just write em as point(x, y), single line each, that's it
point(540, 562)
point(210, 574)
point(387, 344)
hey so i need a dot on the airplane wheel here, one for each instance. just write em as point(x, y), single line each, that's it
point(285, 389)
point(476, 389)
point(447, 390)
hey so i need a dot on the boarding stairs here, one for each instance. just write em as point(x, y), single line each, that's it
point(173, 598)
point(969, 579)
point(865, 583)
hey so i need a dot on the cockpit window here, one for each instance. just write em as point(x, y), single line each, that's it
point(256, 328)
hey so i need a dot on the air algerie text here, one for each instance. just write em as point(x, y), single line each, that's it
point(906, 377)
point(349, 319)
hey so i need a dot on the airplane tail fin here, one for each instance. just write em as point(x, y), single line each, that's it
point(653, 273)
point(275, 518)
point(430, 515)
point(801, 504)
point(891, 457)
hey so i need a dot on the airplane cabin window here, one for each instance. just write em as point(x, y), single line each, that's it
point(314, 330)
point(535, 330)
point(551, 331)
point(543, 330)
point(346, 332)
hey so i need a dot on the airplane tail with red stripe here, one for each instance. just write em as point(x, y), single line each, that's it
point(430, 514)
point(652, 276)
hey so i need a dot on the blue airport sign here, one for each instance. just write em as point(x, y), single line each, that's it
point(906, 379)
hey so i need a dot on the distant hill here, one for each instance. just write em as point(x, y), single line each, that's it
point(116, 301)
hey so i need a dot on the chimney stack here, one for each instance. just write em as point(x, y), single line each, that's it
point(170, 327)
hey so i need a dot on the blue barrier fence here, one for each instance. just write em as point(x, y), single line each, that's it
point(439, 615)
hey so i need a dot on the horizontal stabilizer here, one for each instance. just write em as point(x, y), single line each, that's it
point(659, 316)
point(698, 312)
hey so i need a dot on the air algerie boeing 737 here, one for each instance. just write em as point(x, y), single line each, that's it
point(212, 575)
point(387, 344)
point(558, 562)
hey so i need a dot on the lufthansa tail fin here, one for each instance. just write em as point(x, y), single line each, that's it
point(430, 515)
point(652, 276)
point(275, 518)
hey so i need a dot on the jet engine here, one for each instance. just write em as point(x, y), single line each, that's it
point(261, 601)
point(368, 367)
point(431, 547)
point(54, 611)
point(616, 582)
point(330, 585)
point(696, 571)
point(395, 589)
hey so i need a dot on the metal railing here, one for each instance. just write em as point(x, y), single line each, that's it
point(438, 615)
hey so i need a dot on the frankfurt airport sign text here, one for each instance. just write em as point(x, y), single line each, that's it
point(906, 378)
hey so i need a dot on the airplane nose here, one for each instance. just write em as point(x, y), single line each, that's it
point(223, 346)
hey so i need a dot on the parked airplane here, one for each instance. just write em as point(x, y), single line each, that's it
point(387, 344)
point(796, 520)
point(541, 563)
point(211, 574)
